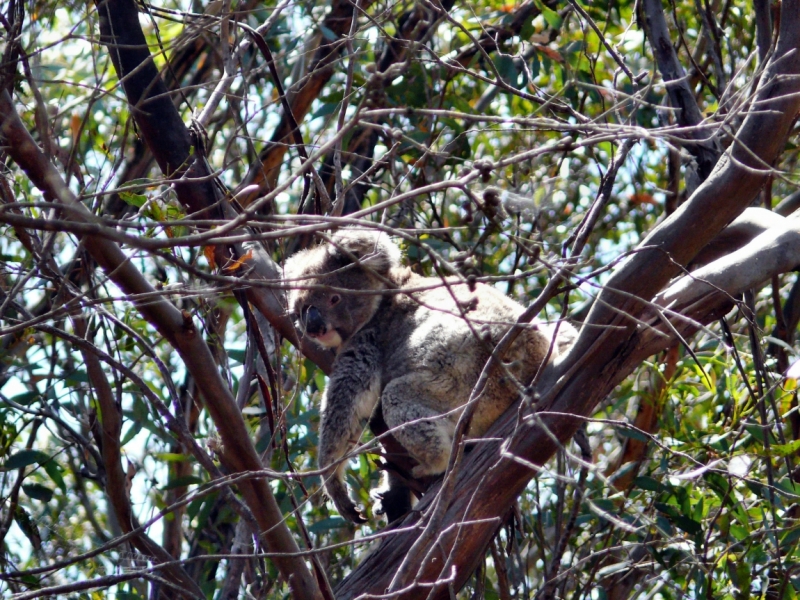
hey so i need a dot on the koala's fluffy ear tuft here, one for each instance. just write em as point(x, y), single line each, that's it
point(302, 264)
point(373, 249)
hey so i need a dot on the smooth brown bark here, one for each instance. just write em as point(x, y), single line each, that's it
point(681, 97)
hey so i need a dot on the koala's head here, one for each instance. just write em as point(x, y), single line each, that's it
point(330, 296)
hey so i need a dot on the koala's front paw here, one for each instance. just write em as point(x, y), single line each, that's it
point(351, 512)
point(337, 491)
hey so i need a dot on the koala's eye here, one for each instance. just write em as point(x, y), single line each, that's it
point(335, 299)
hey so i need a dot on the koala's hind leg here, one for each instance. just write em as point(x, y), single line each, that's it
point(423, 431)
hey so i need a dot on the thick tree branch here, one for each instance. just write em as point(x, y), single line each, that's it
point(747, 226)
point(158, 120)
point(170, 142)
point(680, 94)
point(732, 186)
point(494, 473)
point(763, 27)
point(610, 346)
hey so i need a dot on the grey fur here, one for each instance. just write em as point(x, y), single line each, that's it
point(415, 343)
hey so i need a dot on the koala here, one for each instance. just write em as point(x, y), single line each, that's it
point(412, 347)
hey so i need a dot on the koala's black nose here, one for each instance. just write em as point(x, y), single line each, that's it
point(313, 321)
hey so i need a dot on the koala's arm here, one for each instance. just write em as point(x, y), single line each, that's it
point(347, 404)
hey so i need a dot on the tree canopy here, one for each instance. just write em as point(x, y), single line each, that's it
point(628, 167)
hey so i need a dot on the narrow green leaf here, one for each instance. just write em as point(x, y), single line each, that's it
point(786, 449)
point(55, 471)
point(135, 428)
point(633, 434)
point(327, 524)
point(552, 17)
point(23, 458)
point(38, 491)
point(328, 33)
point(182, 482)
point(133, 199)
point(686, 524)
point(28, 527)
point(648, 483)
point(26, 398)
point(171, 456)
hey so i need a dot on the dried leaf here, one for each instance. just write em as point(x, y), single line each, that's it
point(208, 252)
point(240, 261)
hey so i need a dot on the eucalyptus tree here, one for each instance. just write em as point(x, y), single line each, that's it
point(626, 167)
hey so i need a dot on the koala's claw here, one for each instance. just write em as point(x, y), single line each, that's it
point(337, 492)
point(351, 513)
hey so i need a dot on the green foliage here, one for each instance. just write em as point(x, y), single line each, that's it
point(711, 510)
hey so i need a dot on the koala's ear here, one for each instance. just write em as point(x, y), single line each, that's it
point(373, 249)
point(300, 264)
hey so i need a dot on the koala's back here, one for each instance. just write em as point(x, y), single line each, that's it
point(445, 334)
